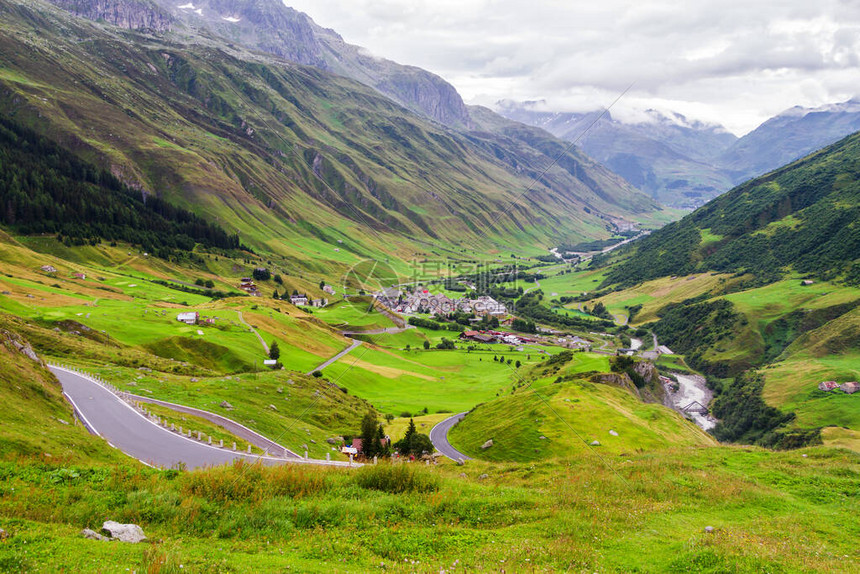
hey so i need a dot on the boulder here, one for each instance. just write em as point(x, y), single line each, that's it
point(613, 433)
point(487, 444)
point(273, 407)
point(93, 535)
point(334, 440)
point(595, 443)
point(124, 532)
point(709, 529)
point(3, 534)
point(226, 405)
point(484, 476)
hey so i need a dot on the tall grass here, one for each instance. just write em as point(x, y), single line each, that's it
point(244, 482)
point(396, 478)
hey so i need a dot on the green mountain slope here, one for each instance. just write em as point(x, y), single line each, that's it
point(278, 152)
point(774, 267)
point(805, 217)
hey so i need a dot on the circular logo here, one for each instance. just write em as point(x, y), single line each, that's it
point(369, 279)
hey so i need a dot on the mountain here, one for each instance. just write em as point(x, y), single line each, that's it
point(277, 151)
point(804, 217)
point(768, 303)
point(270, 26)
point(684, 163)
point(667, 156)
point(788, 136)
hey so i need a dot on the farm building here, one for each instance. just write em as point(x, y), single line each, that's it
point(49, 269)
point(298, 299)
point(189, 318)
point(79, 275)
point(828, 385)
point(850, 387)
point(319, 302)
point(807, 282)
point(356, 444)
point(477, 336)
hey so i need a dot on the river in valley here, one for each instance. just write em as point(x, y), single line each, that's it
point(692, 388)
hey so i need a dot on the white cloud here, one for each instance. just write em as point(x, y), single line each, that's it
point(736, 62)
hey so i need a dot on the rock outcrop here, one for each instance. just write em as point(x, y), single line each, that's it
point(130, 14)
point(14, 341)
point(124, 532)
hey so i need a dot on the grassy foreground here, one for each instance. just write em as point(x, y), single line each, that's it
point(774, 512)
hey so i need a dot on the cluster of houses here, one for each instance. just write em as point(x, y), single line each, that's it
point(490, 337)
point(439, 304)
point(848, 388)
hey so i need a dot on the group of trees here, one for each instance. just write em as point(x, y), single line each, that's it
point(373, 441)
point(45, 189)
point(430, 324)
point(413, 442)
point(372, 438)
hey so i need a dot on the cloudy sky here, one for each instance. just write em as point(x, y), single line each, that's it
point(735, 62)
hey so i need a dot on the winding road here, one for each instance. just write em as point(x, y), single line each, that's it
point(439, 438)
point(355, 343)
point(106, 415)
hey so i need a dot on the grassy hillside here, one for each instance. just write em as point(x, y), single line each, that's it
point(35, 419)
point(786, 512)
point(562, 419)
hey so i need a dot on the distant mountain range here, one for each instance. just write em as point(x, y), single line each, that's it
point(685, 163)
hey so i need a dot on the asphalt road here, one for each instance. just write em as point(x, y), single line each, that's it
point(439, 438)
point(230, 425)
point(355, 343)
point(124, 428)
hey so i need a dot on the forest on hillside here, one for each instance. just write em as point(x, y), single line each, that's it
point(46, 189)
point(803, 217)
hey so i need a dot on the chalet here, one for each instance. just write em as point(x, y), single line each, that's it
point(319, 302)
point(807, 282)
point(850, 387)
point(828, 385)
point(299, 299)
point(189, 318)
point(328, 289)
point(79, 275)
point(356, 444)
point(49, 269)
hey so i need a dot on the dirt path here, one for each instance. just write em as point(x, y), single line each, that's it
point(253, 330)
